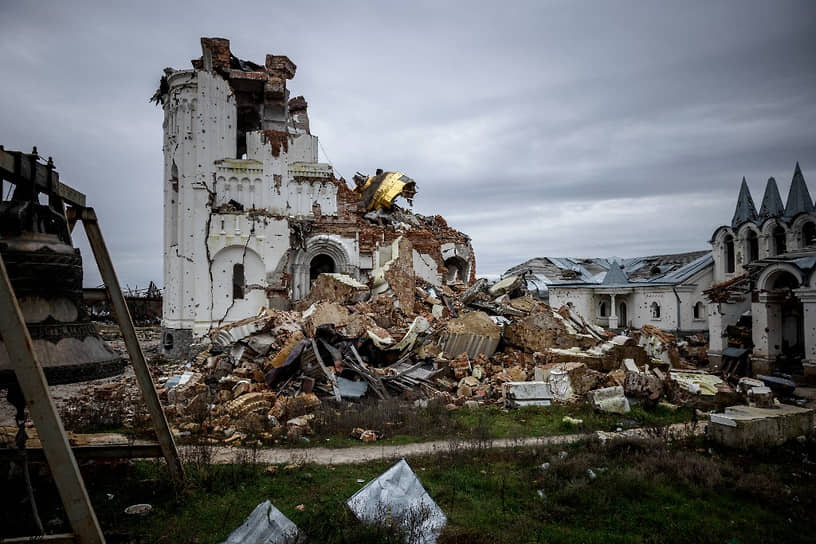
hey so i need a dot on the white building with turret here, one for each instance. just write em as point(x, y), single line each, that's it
point(250, 215)
point(765, 275)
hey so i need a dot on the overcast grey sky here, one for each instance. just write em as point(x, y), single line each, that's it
point(539, 128)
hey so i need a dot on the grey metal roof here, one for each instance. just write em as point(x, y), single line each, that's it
point(616, 272)
point(799, 200)
point(745, 210)
point(615, 275)
point(771, 202)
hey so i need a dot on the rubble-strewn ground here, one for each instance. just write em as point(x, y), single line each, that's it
point(347, 366)
point(464, 362)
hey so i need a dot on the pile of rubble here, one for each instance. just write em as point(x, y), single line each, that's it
point(466, 346)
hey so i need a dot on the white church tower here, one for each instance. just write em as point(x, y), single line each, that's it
point(236, 152)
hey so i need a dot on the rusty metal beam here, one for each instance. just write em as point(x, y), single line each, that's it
point(137, 359)
point(17, 167)
point(41, 406)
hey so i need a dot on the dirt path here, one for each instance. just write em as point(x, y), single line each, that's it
point(362, 454)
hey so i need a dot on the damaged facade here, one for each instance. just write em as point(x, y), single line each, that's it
point(764, 296)
point(664, 291)
point(252, 217)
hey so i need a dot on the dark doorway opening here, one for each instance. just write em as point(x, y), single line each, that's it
point(321, 264)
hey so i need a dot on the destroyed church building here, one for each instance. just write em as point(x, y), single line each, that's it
point(250, 215)
point(665, 291)
point(765, 280)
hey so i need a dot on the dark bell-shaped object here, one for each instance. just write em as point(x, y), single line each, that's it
point(45, 271)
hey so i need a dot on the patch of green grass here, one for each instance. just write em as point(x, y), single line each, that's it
point(637, 491)
point(403, 423)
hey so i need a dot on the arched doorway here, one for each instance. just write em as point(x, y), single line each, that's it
point(791, 316)
point(320, 264)
point(778, 320)
point(623, 320)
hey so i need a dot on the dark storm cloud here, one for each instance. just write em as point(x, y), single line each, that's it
point(560, 128)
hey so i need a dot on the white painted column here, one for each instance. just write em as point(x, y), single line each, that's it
point(766, 318)
point(808, 298)
point(613, 313)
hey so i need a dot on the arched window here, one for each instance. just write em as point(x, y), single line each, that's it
point(752, 242)
point(655, 309)
point(808, 234)
point(729, 254)
point(698, 310)
point(780, 244)
point(238, 281)
point(602, 309)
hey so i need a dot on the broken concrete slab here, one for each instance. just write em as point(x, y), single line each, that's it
point(560, 383)
point(418, 326)
point(339, 288)
point(750, 426)
point(509, 284)
point(542, 331)
point(473, 333)
point(396, 275)
point(701, 383)
point(609, 399)
point(322, 313)
point(779, 385)
point(519, 394)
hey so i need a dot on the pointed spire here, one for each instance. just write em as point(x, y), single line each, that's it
point(615, 275)
point(771, 202)
point(799, 200)
point(746, 210)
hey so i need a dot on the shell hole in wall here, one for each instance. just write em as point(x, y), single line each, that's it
point(457, 269)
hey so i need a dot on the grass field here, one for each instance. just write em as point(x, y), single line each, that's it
point(401, 423)
point(623, 491)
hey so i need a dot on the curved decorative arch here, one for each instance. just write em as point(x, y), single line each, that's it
point(227, 306)
point(769, 226)
point(772, 272)
point(742, 231)
point(720, 234)
point(803, 230)
point(320, 244)
point(800, 221)
point(749, 242)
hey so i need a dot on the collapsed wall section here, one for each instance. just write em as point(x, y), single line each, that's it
point(251, 217)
